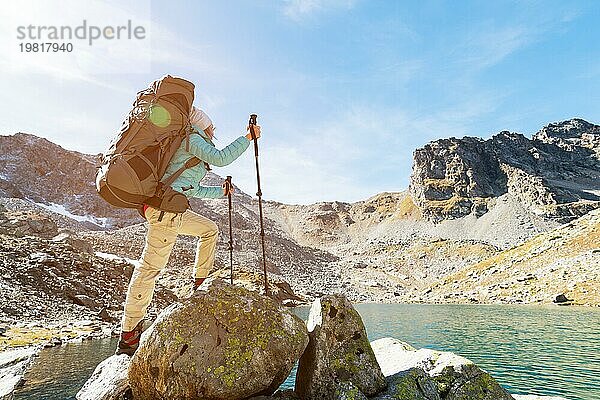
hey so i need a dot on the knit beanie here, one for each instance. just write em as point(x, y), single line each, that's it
point(199, 118)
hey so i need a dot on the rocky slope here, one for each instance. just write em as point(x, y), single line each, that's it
point(497, 194)
point(37, 176)
point(38, 170)
point(47, 275)
point(564, 261)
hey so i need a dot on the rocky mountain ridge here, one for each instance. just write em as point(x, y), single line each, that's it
point(555, 174)
point(38, 170)
point(469, 200)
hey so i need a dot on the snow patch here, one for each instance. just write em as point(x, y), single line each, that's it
point(114, 257)
point(60, 209)
point(314, 316)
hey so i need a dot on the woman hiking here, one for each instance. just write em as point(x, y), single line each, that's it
point(163, 227)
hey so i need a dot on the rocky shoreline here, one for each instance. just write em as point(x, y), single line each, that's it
point(21, 343)
point(248, 345)
point(45, 335)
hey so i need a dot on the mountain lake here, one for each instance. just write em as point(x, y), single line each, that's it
point(543, 350)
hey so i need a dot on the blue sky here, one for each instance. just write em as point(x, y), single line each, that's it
point(345, 90)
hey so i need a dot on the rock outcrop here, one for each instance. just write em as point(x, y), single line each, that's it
point(224, 342)
point(431, 375)
point(571, 134)
point(556, 173)
point(339, 358)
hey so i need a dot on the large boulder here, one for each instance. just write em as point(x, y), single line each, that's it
point(224, 342)
point(109, 381)
point(414, 373)
point(338, 353)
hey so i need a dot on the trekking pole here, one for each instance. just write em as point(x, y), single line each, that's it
point(252, 124)
point(228, 186)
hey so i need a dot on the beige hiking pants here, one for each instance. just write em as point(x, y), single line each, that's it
point(160, 239)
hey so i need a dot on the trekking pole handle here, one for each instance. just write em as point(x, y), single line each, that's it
point(227, 184)
point(252, 124)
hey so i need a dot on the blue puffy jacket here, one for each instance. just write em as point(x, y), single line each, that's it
point(202, 147)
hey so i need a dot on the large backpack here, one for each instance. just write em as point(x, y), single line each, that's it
point(138, 156)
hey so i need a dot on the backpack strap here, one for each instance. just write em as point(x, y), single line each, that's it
point(166, 198)
point(158, 200)
point(192, 162)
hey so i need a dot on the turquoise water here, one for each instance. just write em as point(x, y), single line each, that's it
point(529, 350)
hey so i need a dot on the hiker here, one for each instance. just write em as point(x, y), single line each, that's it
point(163, 227)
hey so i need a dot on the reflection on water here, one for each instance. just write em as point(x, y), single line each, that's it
point(58, 373)
point(530, 350)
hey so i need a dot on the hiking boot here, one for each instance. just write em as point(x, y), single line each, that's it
point(130, 340)
point(198, 282)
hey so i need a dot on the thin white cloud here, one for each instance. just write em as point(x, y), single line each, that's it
point(488, 42)
point(488, 47)
point(300, 9)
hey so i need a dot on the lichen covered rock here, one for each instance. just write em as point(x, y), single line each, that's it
point(454, 377)
point(413, 384)
point(224, 342)
point(338, 352)
point(347, 391)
